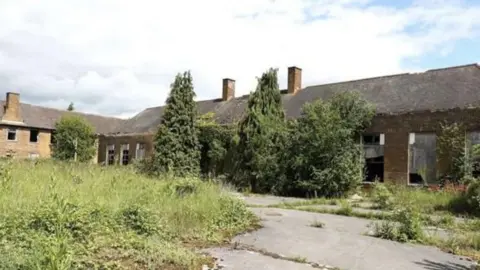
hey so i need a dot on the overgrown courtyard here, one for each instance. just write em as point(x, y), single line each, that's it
point(58, 215)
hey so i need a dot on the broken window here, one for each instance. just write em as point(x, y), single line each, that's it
point(34, 135)
point(110, 154)
point(125, 154)
point(140, 154)
point(422, 158)
point(11, 134)
point(373, 153)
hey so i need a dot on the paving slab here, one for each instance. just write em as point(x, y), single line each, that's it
point(249, 260)
point(341, 243)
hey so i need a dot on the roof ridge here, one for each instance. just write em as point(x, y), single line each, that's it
point(77, 112)
point(454, 67)
point(359, 80)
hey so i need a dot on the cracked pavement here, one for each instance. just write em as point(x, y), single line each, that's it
point(341, 243)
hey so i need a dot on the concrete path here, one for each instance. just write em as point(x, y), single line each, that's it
point(288, 236)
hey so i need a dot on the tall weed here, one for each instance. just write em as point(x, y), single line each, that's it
point(78, 216)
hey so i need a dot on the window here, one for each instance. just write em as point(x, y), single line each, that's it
point(12, 134)
point(110, 154)
point(373, 147)
point(140, 154)
point(34, 135)
point(33, 155)
point(373, 139)
point(125, 153)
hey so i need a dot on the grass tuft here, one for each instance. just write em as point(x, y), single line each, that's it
point(79, 216)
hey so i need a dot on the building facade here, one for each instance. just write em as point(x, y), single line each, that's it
point(399, 145)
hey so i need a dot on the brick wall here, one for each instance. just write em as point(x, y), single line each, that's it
point(22, 147)
point(131, 140)
point(397, 127)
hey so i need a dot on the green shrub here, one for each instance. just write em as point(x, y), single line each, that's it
point(74, 138)
point(382, 197)
point(386, 229)
point(323, 156)
point(406, 225)
point(410, 221)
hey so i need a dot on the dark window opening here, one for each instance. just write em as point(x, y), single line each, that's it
point(374, 169)
point(34, 135)
point(125, 157)
point(371, 139)
point(415, 178)
point(111, 156)
point(12, 134)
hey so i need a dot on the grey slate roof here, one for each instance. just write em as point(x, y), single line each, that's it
point(433, 90)
point(45, 118)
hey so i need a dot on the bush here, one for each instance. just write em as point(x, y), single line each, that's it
point(74, 137)
point(322, 155)
point(406, 225)
point(79, 216)
point(216, 143)
point(382, 197)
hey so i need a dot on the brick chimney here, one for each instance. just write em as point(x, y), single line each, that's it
point(294, 80)
point(228, 89)
point(11, 108)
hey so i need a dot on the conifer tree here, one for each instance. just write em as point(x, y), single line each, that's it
point(176, 141)
point(70, 107)
point(259, 135)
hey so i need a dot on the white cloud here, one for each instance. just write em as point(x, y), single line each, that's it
point(118, 57)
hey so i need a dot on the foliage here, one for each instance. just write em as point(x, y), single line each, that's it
point(382, 196)
point(79, 216)
point(406, 225)
point(216, 143)
point(451, 146)
point(73, 134)
point(70, 107)
point(323, 156)
point(176, 141)
point(260, 137)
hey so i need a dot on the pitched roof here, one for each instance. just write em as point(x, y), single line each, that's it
point(433, 90)
point(45, 118)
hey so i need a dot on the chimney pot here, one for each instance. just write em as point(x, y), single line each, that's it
point(294, 79)
point(11, 109)
point(228, 89)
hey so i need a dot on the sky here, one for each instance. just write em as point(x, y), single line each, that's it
point(118, 57)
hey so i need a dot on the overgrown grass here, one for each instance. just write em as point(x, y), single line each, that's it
point(78, 216)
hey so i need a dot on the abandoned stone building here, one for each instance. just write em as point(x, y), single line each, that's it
point(400, 145)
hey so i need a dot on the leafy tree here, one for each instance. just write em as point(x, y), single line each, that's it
point(70, 107)
point(74, 134)
point(176, 141)
point(323, 156)
point(215, 143)
point(260, 136)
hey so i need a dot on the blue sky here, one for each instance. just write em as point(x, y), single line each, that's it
point(117, 57)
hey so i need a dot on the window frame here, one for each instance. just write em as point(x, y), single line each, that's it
point(37, 137)
point(11, 130)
